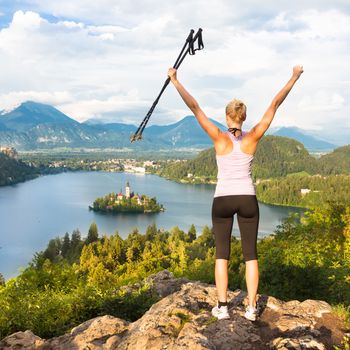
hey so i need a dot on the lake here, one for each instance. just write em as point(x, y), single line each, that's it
point(33, 212)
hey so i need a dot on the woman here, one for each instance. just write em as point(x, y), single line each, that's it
point(235, 191)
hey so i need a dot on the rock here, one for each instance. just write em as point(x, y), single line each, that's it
point(306, 342)
point(21, 340)
point(183, 320)
point(92, 335)
point(164, 283)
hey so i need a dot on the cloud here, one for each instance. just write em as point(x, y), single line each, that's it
point(321, 102)
point(7, 101)
point(109, 60)
point(113, 109)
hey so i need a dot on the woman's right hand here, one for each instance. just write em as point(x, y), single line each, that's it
point(297, 71)
point(172, 74)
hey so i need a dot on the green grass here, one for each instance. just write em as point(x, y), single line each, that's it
point(343, 312)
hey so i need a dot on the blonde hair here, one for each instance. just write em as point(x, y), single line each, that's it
point(236, 111)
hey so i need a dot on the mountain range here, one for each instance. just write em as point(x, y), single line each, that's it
point(310, 142)
point(34, 125)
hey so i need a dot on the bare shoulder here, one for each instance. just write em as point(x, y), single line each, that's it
point(223, 144)
point(249, 143)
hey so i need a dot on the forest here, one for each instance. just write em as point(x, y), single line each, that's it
point(281, 168)
point(276, 156)
point(13, 170)
point(77, 278)
point(318, 190)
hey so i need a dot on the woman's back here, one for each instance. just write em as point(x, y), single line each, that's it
point(234, 170)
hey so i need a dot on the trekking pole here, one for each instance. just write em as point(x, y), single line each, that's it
point(190, 41)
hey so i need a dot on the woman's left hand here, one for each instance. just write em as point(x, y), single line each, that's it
point(172, 74)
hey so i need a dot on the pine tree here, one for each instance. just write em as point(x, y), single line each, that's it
point(92, 234)
point(207, 238)
point(53, 250)
point(75, 246)
point(192, 234)
point(65, 245)
point(2, 280)
point(151, 232)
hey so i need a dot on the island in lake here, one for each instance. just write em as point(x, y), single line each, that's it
point(128, 203)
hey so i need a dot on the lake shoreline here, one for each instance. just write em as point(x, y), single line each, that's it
point(50, 206)
point(184, 182)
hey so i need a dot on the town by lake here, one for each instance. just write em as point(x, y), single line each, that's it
point(33, 212)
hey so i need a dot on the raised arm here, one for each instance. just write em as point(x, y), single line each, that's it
point(259, 129)
point(210, 128)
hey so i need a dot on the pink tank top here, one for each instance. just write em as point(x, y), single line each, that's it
point(234, 170)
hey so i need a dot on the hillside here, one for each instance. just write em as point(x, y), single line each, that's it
point(13, 171)
point(276, 156)
point(203, 165)
point(311, 143)
point(279, 156)
point(318, 190)
point(337, 162)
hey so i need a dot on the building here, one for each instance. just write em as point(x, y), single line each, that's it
point(127, 190)
point(136, 198)
point(304, 191)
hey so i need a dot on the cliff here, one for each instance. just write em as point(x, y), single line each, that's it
point(182, 320)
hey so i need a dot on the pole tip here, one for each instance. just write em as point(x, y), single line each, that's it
point(135, 137)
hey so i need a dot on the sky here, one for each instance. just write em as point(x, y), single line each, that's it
point(107, 59)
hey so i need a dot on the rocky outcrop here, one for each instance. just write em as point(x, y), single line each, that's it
point(182, 320)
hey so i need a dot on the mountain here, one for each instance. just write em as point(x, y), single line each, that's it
point(339, 136)
point(184, 133)
point(118, 127)
point(31, 114)
point(35, 125)
point(310, 142)
point(39, 126)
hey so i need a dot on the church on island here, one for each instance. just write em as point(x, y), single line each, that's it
point(126, 203)
point(128, 194)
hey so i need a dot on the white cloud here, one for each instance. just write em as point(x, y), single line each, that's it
point(115, 107)
point(109, 60)
point(326, 25)
point(321, 102)
point(7, 101)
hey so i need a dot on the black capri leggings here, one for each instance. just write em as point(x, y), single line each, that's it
point(223, 210)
